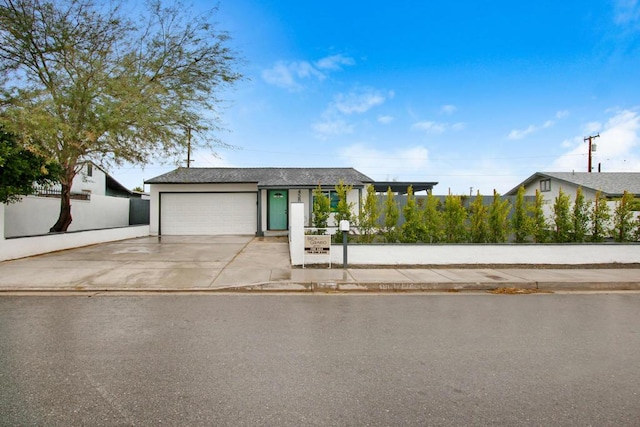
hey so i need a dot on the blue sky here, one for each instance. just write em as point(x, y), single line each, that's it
point(465, 93)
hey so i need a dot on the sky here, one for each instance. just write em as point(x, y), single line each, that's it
point(474, 95)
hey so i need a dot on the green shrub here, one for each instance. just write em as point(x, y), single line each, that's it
point(391, 216)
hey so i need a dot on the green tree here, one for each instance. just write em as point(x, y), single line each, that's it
point(321, 210)
point(479, 220)
point(391, 216)
point(344, 210)
point(623, 219)
point(600, 217)
point(580, 217)
point(369, 216)
point(499, 219)
point(20, 169)
point(539, 224)
point(562, 218)
point(455, 219)
point(83, 80)
point(520, 221)
point(412, 228)
point(432, 220)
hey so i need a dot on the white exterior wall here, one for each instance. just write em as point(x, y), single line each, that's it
point(156, 189)
point(36, 215)
point(95, 184)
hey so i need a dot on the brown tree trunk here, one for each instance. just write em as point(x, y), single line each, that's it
point(64, 219)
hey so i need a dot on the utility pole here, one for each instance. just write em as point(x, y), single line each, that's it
point(592, 148)
point(189, 147)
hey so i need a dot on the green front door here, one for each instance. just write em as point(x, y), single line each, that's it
point(278, 202)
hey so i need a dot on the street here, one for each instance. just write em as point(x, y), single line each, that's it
point(317, 360)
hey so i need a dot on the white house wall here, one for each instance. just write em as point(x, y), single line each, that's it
point(156, 189)
point(36, 215)
point(95, 184)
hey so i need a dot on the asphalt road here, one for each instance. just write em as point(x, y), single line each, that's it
point(303, 360)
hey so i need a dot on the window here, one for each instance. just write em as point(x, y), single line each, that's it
point(89, 169)
point(333, 199)
point(545, 185)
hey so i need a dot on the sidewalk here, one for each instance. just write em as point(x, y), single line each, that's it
point(262, 265)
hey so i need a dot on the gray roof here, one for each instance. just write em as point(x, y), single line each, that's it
point(610, 183)
point(264, 177)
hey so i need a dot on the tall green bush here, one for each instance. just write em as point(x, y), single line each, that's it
point(562, 218)
point(368, 216)
point(321, 210)
point(454, 218)
point(478, 220)
point(344, 210)
point(623, 219)
point(600, 216)
point(539, 224)
point(498, 219)
point(580, 217)
point(521, 222)
point(391, 216)
point(432, 220)
point(412, 228)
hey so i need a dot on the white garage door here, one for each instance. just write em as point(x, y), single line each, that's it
point(208, 213)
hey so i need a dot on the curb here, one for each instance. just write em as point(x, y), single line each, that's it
point(349, 287)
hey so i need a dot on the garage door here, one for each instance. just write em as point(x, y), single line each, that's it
point(208, 213)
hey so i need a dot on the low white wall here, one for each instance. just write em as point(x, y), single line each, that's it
point(28, 246)
point(36, 215)
point(559, 254)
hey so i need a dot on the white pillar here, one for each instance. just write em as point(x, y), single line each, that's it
point(1, 221)
point(296, 233)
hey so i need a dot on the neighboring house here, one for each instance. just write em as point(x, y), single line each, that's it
point(214, 201)
point(97, 201)
point(611, 184)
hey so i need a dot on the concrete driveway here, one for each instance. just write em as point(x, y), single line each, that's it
point(170, 262)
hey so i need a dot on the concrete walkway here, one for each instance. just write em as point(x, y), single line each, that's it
point(245, 264)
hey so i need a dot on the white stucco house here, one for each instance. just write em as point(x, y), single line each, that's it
point(611, 184)
point(254, 201)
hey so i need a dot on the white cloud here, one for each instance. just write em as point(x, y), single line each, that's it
point(290, 74)
point(592, 127)
point(626, 12)
point(334, 62)
point(332, 127)
point(385, 120)
point(402, 163)
point(359, 101)
point(448, 109)
point(521, 133)
point(618, 147)
point(437, 127)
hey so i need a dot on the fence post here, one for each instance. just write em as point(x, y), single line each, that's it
point(296, 233)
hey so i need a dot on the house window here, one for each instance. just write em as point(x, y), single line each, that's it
point(333, 199)
point(545, 185)
point(89, 169)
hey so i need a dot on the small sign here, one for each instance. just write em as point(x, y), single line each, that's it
point(317, 245)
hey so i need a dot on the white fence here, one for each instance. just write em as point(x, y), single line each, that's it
point(484, 254)
point(36, 215)
point(28, 246)
point(459, 254)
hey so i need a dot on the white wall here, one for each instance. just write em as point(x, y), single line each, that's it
point(561, 254)
point(29, 246)
point(36, 215)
